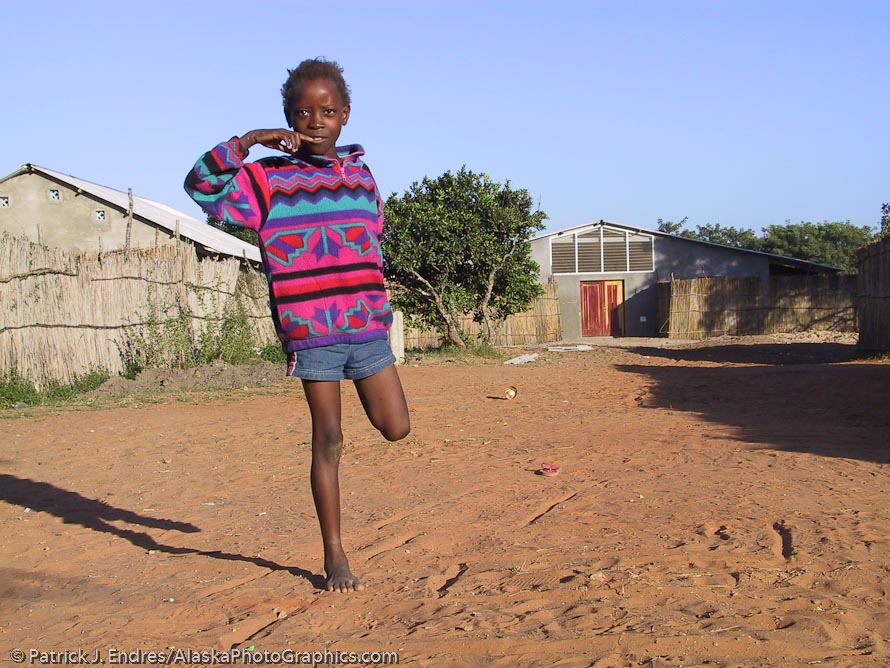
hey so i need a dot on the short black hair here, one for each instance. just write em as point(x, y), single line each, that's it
point(313, 69)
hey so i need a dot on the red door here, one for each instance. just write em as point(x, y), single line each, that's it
point(602, 312)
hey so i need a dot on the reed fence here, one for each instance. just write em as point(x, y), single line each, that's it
point(539, 324)
point(701, 308)
point(874, 296)
point(64, 316)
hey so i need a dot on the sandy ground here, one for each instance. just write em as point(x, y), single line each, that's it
point(723, 504)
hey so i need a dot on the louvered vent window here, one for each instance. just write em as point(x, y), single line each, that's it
point(640, 252)
point(602, 250)
point(590, 252)
point(4, 201)
point(614, 251)
point(563, 255)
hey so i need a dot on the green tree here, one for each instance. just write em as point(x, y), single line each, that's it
point(235, 230)
point(460, 244)
point(832, 243)
point(714, 233)
point(885, 220)
point(670, 227)
point(734, 237)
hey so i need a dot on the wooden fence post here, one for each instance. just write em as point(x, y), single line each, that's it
point(397, 337)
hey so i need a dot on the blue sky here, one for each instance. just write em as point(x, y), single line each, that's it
point(739, 113)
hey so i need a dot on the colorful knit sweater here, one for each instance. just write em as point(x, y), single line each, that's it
point(319, 222)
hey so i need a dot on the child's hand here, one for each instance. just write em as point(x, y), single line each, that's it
point(279, 139)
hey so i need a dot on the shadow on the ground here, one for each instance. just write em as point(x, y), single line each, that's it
point(759, 353)
point(787, 403)
point(74, 508)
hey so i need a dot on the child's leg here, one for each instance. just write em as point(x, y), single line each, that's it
point(384, 402)
point(327, 446)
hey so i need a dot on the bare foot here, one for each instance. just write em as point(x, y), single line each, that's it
point(341, 579)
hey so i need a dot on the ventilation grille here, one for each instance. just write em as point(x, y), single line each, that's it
point(602, 250)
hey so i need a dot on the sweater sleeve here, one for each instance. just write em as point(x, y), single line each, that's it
point(380, 215)
point(229, 189)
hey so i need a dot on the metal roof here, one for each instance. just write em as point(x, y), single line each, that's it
point(782, 260)
point(213, 240)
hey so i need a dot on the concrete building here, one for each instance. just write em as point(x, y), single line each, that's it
point(607, 273)
point(62, 211)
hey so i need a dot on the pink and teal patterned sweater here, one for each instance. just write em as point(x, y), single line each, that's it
point(319, 222)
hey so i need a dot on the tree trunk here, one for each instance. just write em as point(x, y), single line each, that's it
point(454, 334)
point(488, 325)
point(452, 322)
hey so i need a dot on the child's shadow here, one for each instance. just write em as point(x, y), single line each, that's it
point(72, 508)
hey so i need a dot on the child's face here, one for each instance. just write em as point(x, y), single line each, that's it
point(318, 111)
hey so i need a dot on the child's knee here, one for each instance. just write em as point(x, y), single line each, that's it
point(329, 444)
point(396, 432)
point(330, 452)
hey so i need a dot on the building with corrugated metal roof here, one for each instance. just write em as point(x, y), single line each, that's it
point(62, 211)
point(607, 273)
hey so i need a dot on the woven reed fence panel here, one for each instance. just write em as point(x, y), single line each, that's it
point(874, 296)
point(64, 316)
point(701, 308)
point(539, 324)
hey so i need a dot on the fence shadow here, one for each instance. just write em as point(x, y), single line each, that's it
point(830, 410)
point(760, 353)
point(74, 508)
point(719, 305)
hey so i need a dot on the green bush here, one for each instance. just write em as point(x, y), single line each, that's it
point(273, 353)
point(15, 390)
point(164, 342)
point(451, 352)
point(161, 343)
point(236, 339)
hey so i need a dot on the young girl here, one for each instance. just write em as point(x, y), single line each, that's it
point(318, 215)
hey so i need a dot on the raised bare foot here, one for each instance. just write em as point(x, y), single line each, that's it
point(341, 579)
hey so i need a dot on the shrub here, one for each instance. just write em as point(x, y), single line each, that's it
point(15, 390)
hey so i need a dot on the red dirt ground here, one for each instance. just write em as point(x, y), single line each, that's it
point(721, 504)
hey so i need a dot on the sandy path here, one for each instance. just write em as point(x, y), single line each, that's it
point(720, 506)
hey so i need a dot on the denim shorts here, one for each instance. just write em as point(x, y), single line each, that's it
point(338, 361)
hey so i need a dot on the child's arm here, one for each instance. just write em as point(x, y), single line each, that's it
point(280, 139)
point(227, 188)
point(231, 190)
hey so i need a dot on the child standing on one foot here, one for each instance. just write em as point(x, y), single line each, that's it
point(318, 214)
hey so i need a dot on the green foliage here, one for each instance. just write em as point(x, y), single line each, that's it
point(450, 353)
point(831, 243)
point(273, 353)
point(166, 341)
point(15, 390)
point(460, 244)
point(163, 342)
point(230, 339)
point(714, 233)
point(726, 236)
point(670, 227)
point(885, 220)
point(242, 233)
